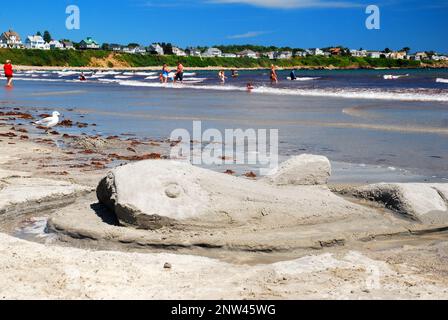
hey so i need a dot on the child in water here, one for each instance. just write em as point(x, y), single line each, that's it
point(250, 87)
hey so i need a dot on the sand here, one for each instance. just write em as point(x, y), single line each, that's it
point(97, 259)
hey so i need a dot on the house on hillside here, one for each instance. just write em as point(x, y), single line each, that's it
point(193, 52)
point(358, 53)
point(229, 55)
point(374, 54)
point(134, 50)
point(156, 48)
point(270, 55)
point(115, 47)
point(68, 45)
point(212, 52)
point(89, 44)
point(316, 52)
point(300, 54)
point(283, 55)
point(36, 42)
point(11, 39)
point(248, 54)
point(179, 52)
point(437, 57)
point(335, 51)
point(56, 45)
point(421, 56)
point(398, 55)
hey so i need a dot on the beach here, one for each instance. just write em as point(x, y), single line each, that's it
point(340, 241)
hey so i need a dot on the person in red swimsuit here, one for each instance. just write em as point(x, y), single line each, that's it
point(8, 73)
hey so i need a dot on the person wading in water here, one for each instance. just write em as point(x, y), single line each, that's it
point(8, 73)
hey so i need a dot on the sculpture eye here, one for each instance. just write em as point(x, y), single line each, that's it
point(173, 191)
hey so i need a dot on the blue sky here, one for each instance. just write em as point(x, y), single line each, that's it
point(421, 25)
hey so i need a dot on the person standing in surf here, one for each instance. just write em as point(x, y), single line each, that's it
point(8, 73)
point(274, 77)
point(165, 74)
point(293, 75)
point(222, 76)
point(179, 73)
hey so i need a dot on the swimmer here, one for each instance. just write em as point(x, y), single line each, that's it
point(293, 75)
point(274, 77)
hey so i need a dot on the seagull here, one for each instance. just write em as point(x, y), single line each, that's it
point(49, 122)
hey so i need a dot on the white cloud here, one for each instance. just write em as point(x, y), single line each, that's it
point(250, 34)
point(290, 4)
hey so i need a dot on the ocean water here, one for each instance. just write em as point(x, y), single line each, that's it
point(395, 127)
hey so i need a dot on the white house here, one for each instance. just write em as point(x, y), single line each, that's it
point(156, 48)
point(89, 44)
point(133, 50)
point(421, 56)
point(36, 42)
point(179, 52)
point(283, 55)
point(212, 52)
point(11, 39)
point(358, 53)
point(229, 55)
point(270, 55)
point(374, 54)
point(300, 54)
point(194, 52)
point(55, 44)
point(68, 45)
point(248, 54)
point(115, 47)
point(316, 52)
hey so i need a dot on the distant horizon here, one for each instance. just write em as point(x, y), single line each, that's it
point(280, 23)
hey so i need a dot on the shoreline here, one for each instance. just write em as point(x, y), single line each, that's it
point(157, 68)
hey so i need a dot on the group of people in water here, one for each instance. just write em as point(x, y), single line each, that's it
point(167, 74)
point(273, 76)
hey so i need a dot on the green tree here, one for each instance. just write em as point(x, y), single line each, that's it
point(38, 33)
point(167, 48)
point(406, 49)
point(47, 36)
point(387, 50)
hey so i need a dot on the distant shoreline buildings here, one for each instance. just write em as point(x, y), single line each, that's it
point(11, 39)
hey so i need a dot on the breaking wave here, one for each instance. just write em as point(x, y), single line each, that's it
point(403, 95)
